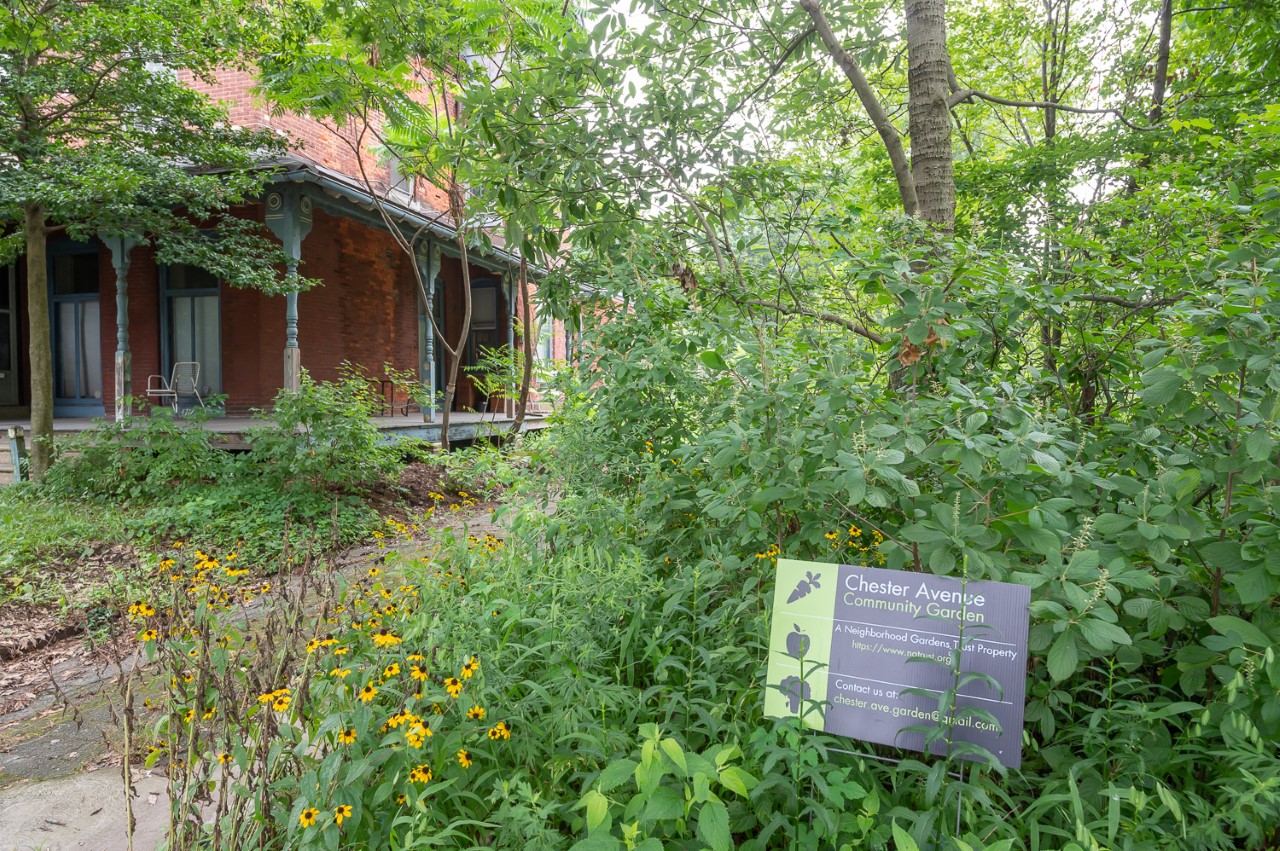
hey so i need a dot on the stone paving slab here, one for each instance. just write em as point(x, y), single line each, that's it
point(83, 811)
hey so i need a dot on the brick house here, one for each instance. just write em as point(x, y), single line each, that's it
point(118, 317)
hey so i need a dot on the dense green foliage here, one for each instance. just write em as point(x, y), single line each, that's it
point(1075, 388)
point(303, 485)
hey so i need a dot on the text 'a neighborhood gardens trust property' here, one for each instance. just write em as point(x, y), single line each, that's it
point(857, 637)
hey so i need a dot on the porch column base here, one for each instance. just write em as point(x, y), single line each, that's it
point(124, 381)
point(293, 369)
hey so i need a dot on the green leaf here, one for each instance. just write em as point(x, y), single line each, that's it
point(672, 749)
point(1230, 625)
point(902, 840)
point(597, 809)
point(1102, 635)
point(713, 360)
point(1160, 385)
point(664, 804)
point(1225, 555)
point(1063, 657)
point(737, 780)
point(615, 773)
point(713, 826)
point(1258, 445)
point(601, 842)
point(1254, 586)
point(1169, 800)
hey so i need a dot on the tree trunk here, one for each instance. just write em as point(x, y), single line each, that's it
point(41, 346)
point(526, 380)
point(456, 209)
point(875, 110)
point(1161, 80)
point(928, 73)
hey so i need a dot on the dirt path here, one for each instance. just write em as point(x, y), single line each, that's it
point(60, 769)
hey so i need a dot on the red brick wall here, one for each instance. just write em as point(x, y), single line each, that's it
point(364, 312)
point(340, 150)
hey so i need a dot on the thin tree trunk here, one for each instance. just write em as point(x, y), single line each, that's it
point(907, 189)
point(456, 210)
point(526, 380)
point(1159, 84)
point(928, 73)
point(40, 344)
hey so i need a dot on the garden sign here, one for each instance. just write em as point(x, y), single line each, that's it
point(877, 647)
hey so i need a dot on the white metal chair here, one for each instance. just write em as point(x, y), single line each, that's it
point(184, 383)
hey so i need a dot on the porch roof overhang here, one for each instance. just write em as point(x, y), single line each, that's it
point(338, 194)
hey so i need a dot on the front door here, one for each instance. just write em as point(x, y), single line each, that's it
point(9, 336)
point(77, 329)
point(192, 325)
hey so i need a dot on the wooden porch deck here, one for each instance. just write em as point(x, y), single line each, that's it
point(232, 432)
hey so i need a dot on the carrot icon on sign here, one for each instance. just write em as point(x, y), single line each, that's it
point(805, 586)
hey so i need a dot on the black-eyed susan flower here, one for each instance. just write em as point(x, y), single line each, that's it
point(402, 799)
point(281, 703)
point(464, 758)
point(418, 672)
point(308, 816)
point(368, 693)
point(224, 758)
point(421, 774)
point(141, 610)
point(501, 730)
point(391, 670)
point(340, 672)
point(417, 734)
point(347, 736)
point(374, 571)
point(313, 645)
point(469, 669)
point(341, 812)
point(453, 685)
point(149, 635)
point(476, 713)
point(384, 638)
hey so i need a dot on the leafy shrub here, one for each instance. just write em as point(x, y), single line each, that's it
point(142, 458)
point(322, 434)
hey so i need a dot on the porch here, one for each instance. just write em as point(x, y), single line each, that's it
point(232, 432)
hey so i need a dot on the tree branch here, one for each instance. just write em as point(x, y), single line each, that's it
point(860, 330)
point(875, 111)
point(1143, 304)
point(968, 94)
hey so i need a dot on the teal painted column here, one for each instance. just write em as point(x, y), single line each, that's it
point(121, 248)
point(289, 216)
point(513, 309)
point(429, 267)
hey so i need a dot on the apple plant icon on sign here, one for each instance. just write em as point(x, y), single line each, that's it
point(794, 690)
point(797, 643)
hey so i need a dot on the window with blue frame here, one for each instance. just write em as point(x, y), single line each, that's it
point(190, 303)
